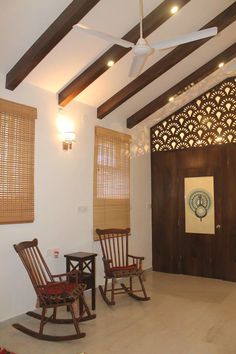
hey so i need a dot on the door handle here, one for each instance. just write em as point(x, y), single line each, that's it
point(218, 226)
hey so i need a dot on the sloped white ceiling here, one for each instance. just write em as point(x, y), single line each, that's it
point(22, 22)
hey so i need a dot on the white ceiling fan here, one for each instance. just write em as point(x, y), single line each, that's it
point(142, 49)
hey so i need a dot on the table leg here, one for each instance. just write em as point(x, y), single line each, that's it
point(93, 298)
point(80, 302)
point(93, 285)
point(67, 271)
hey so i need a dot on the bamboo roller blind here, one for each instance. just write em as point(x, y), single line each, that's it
point(17, 129)
point(111, 192)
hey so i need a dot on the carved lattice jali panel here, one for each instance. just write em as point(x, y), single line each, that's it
point(209, 119)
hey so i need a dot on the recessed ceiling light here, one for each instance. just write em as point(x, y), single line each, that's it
point(174, 9)
point(221, 64)
point(110, 63)
point(171, 99)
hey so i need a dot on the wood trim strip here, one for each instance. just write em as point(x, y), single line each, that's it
point(180, 87)
point(151, 22)
point(221, 21)
point(48, 40)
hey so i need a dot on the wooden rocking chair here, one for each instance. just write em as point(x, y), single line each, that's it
point(114, 244)
point(52, 292)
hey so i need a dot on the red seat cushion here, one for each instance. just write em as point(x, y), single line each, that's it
point(4, 351)
point(57, 288)
point(124, 268)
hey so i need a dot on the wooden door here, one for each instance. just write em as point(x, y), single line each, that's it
point(229, 212)
point(175, 251)
point(200, 253)
point(166, 243)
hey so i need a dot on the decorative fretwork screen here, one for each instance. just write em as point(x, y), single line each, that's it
point(209, 119)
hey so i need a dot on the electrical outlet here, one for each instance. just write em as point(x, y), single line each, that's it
point(56, 252)
point(53, 252)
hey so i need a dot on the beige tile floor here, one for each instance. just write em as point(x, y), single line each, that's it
point(186, 315)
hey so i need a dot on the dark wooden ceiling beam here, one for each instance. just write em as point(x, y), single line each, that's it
point(221, 21)
point(151, 22)
point(182, 86)
point(48, 40)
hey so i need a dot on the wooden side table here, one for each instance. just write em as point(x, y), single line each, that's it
point(85, 263)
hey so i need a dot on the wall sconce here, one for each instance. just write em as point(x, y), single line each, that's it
point(66, 129)
point(68, 139)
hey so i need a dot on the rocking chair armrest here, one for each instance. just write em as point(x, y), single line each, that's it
point(107, 263)
point(74, 273)
point(136, 257)
point(137, 261)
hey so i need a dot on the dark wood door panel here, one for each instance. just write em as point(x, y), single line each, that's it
point(165, 251)
point(199, 251)
point(229, 212)
point(197, 256)
point(175, 251)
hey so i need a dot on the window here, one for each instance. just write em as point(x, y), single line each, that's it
point(16, 162)
point(111, 199)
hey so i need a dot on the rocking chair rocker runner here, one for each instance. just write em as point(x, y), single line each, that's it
point(114, 244)
point(52, 292)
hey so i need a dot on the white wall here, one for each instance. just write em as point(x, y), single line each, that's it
point(63, 182)
point(141, 240)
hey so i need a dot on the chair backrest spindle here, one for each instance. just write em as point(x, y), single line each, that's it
point(34, 263)
point(114, 244)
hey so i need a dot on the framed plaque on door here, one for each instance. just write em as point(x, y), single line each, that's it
point(199, 205)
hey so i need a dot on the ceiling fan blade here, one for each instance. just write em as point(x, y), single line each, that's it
point(137, 64)
point(105, 36)
point(185, 38)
